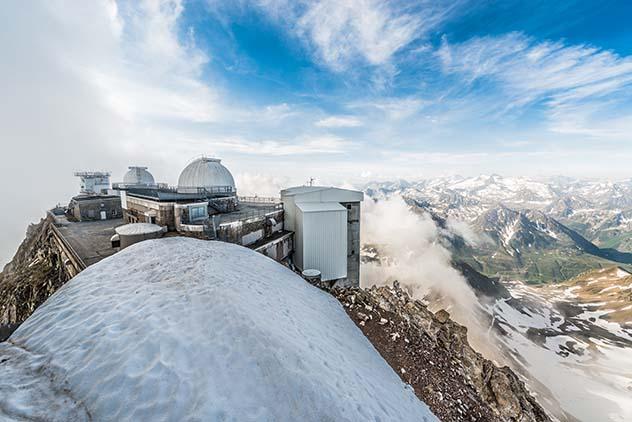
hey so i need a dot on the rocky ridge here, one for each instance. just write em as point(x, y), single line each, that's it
point(35, 273)
point(431, 353)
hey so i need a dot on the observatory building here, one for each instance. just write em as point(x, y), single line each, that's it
point(314, 229)
point(94, 202)
point(138, 177)
point(205, 188)
point(206, 176)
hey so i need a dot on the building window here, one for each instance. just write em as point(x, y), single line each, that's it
point(197, 213)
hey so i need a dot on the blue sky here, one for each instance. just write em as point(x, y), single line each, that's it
point(342, 91)
point(407, 89)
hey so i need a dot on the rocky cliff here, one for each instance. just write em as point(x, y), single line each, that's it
point(36, 272)
point(431, 353)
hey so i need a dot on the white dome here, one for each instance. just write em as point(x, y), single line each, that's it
point(206, 173)
point(138, 176)
point(132, 229)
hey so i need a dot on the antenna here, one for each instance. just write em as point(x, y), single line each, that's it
point(311, 181)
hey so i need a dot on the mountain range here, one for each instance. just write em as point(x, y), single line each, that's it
point(532, 230)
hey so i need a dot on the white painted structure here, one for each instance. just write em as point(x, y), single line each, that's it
point(318, 216)
point(299, 194)
point(138, 176)
point(321, 238)
point(94, 182)
point(208, 174)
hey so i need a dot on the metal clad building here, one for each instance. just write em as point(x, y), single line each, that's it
point(321, 239)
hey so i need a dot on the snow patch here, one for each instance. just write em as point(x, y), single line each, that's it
point(183, 329)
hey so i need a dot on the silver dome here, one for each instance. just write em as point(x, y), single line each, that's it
point(138, 176)
point(206, 173)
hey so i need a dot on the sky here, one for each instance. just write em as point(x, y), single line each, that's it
point(282, 91)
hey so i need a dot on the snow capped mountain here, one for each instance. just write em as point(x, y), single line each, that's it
point(535, 230)
point(514, 231)
point(558, 196)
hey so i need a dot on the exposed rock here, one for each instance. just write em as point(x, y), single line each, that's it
point(442, 316)
point(36, 272)
point(431, 353)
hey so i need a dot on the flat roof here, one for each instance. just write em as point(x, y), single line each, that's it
point(90, 239)
point(320, 206)
point(323, 194)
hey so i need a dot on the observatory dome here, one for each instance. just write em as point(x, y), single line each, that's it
point(138, 176)
point(206, 173)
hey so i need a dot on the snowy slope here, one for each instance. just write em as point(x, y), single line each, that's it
point(181, 329)
point(574, 352)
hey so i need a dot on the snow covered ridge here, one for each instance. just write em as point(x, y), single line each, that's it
point(181, 329)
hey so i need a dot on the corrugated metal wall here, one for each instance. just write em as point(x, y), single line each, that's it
point(323, 236)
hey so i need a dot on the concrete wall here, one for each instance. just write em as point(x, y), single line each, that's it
point(141, 210)
point(248, 232)
point(278, 249)
point(90, 209)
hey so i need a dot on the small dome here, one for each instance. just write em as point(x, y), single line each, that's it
point(206, 173)
point(132, 229)
point(138, 176)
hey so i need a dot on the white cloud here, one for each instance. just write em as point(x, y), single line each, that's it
point(340, 30)
point(391, 108)
point(580, 78)
point(339, 121)
point(535, 70)
point(342, 33)
point(91, 86)
point(302, 145)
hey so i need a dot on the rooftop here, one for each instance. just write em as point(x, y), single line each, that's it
point(320, 206)
point(89, 239)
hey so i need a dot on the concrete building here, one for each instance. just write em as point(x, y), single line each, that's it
point(322, 242)
point(205, 188)
point(205, 205)
point(95, 207)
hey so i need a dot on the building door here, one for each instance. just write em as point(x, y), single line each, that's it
point(104, 215)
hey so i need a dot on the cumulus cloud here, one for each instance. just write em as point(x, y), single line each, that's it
point(464, 230)
point(411, 251)
point(414, 255)
point(256, 184)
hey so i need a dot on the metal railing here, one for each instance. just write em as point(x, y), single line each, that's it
point(259, 200)
point(246, 215)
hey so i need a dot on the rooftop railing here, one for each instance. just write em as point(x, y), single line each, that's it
point(259, 200)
